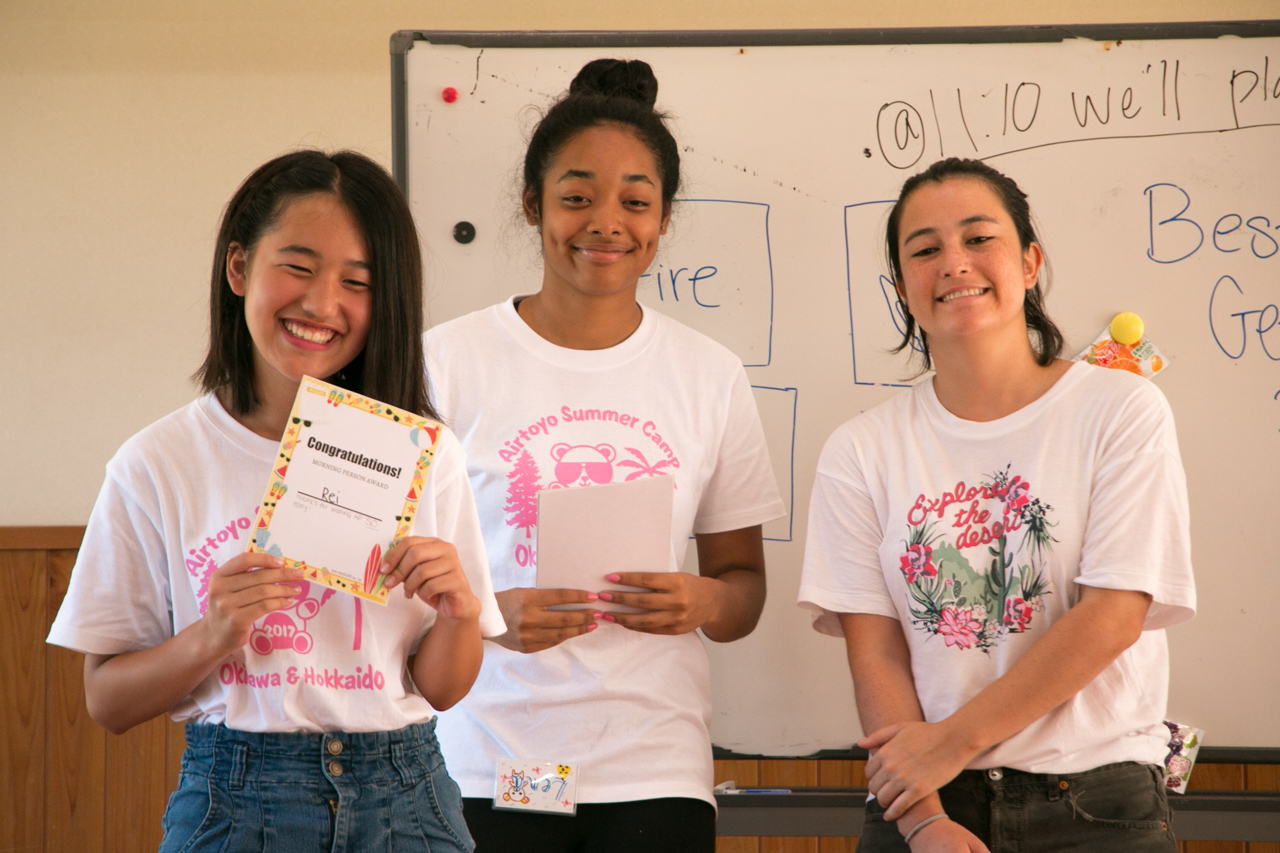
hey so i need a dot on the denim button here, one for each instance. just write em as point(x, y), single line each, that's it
point(335, 767)
point(335, 746)
point(995, 774)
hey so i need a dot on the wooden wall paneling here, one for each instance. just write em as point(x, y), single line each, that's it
point(1221, 777)
point(40, 538)
point(76, 746)
point(790, 773)
point(1262, 777)
point(737, 844)
point(23, 593)
point(743, 774)
point(842, 774)
point(135, 787)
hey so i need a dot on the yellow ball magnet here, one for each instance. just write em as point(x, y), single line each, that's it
point(1126, 328)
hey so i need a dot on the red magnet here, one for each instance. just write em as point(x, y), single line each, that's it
point(449, 94)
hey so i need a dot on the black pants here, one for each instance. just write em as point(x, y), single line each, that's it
point(1116, 808)
point(669, 825)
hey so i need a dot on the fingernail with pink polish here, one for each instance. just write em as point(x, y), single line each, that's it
point(591, 596)
point(608, 617)
point(606, 596)
point(613, 578)
point(597, 614)
point(592, 627)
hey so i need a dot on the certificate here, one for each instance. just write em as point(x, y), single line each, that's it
point(344, 488)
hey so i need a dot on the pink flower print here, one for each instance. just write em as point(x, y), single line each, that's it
point(1178, 764)
point(1016, 496)
point(918, 561)
point(1017, 614)
point(958, 627)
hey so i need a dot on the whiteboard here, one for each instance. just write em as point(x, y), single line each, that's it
point(1150, 165)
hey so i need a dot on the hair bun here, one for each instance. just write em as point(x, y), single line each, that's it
point(617, 78)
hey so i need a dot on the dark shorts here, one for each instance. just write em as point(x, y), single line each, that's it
point(336, 791)
point(668, 825)
point(1116, 808)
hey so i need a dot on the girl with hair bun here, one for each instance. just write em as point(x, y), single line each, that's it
point(1001, 548)
point(577, 385)
point(325, 742)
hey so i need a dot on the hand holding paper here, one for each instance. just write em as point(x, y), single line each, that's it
point(242, 591)
point(430, 568)
point(679, 602)
point(531, 627)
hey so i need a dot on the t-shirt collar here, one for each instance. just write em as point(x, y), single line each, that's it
point(234, 431)
point(928, 401)
point(577, 359)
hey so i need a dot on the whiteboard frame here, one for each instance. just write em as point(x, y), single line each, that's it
point(402, 42)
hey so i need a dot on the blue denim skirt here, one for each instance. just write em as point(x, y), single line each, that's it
point(294, 792)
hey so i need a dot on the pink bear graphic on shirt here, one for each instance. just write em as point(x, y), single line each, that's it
point(582, 465)
point(279, 630)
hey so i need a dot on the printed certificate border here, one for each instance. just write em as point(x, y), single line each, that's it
point(277, 488)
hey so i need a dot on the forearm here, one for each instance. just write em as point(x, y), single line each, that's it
point(880, 664)
point(124, 690)
point(740, 600)
point(448, 661)
point(1073, 652)
point(884, 687)
point(734, 562)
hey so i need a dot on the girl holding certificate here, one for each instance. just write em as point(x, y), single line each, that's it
point(578, 385)
point(1001, 548)
point(318, 735)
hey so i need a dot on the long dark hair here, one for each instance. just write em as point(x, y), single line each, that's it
point(390, 368)
point(1046, 337)
point(606, 91)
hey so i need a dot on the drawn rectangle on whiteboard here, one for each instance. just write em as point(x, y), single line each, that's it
point(715, 274)
point(777, 408)
point(875, 319)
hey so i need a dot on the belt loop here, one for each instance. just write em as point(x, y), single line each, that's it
point(239, 758)
point(401, 762)
point(1052, 787)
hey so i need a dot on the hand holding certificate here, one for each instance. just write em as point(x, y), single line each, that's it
point(345, 487)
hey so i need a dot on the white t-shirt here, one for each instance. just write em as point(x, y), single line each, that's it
point(1086, 487)
point(631, 710)
point(179, 500)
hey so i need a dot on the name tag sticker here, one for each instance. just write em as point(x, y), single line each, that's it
point(549, 787)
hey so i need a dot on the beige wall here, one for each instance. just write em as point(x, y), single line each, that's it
point(125, 126)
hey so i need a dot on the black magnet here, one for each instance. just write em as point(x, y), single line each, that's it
point(464, 232)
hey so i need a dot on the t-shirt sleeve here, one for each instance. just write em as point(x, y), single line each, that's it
point(457, 522)
point(118, 597)
point(1137, 536)
point(842, 571)
point(742, 491)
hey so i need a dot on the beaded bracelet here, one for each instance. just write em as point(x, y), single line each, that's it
point(921, 825)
